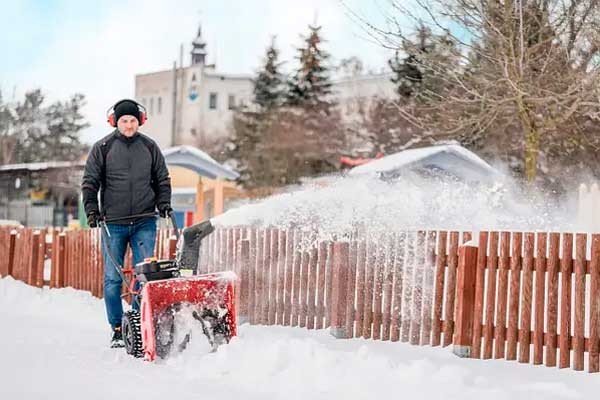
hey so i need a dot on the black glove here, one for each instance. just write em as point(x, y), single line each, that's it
point(164, 209)
point(92, 219)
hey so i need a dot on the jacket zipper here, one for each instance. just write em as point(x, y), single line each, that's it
point(130, 182)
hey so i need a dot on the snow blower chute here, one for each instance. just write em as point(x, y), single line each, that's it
point(165, 298)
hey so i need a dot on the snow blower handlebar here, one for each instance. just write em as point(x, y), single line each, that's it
point(106, 235)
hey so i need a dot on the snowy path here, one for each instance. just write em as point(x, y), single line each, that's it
point(53, 345)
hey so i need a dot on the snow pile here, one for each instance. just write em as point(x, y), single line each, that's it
point(410, 201)
point(54, 345)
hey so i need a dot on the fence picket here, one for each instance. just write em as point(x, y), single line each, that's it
point(351, 288)
point(281, 267)
point(526, 300)
point(593, 355)
point(296, 277)
point(566, 269)
point(479, 295)
point(409, 284)
point(451, 288)
point(361, 266)
point(272, 278)
point(378, 276)
point(312, 288)
point(322, 259)
point(490, 306)
point(552, 266)
point(440, 275)
point(417, 292)
point(388, 283)
point(289, 271)
point(579, 334)
point(539, 302)
point(369, 284)
point(502, 305)
point(512, 332)
point(399, 258)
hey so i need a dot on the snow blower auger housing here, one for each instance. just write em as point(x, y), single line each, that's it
point(164, 297)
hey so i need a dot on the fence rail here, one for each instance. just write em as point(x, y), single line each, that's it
point(530, 297)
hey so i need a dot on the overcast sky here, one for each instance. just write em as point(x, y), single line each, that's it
point(97, 47)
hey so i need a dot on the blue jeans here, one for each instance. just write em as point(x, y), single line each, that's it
point(141, 237)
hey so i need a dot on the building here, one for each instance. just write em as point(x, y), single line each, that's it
point(194, 105)
point(191, 105)
point(451, 160)
point(355, 93)
point(40, 194)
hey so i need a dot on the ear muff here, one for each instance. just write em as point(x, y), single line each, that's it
point(142, 115)
point(110, 113)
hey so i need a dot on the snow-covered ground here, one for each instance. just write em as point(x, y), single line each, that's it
point(54, 345)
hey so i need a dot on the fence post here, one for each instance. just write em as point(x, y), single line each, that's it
point(11, 252)
point(33, 263)
point(243, 294)
point(172, 248)
point(61, 260)
point(339, 279)
point(465, 300)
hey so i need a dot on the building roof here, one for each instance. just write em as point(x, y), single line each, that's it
point(41, 166)
point(452, 158)
point(198, 161)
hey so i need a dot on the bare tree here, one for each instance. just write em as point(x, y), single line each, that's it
point(525, 68)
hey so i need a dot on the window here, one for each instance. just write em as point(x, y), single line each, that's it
point(159, 105)
point(151, 105)
point(212, 101)
point(231, 102)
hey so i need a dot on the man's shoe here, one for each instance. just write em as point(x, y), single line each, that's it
point(117, 338)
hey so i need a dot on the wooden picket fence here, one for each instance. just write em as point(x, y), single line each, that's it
point(531, 297)
point(74, 256)
point(511, 296)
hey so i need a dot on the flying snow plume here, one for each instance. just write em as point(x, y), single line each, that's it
point(338, 205)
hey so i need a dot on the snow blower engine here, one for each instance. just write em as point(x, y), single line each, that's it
point(172, 306)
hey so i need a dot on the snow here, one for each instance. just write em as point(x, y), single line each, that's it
point(54, 342)
point(39, 166)
point(54, 345)
point(335, 206)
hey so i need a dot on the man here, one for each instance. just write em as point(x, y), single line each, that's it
point(128, 169)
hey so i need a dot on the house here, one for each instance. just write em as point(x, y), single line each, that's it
point(447, 159)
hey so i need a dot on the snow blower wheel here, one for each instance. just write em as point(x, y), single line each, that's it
point(132, 335)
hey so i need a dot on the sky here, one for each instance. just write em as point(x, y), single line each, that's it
point(97, 47)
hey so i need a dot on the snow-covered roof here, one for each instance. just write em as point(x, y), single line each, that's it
point(198, 161)
point(448, 157)
point(41, 166)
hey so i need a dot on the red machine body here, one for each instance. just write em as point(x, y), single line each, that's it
point(209, 291)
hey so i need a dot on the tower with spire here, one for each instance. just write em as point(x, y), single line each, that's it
point(199, 49)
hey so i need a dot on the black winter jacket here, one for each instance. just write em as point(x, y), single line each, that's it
point(130, 174)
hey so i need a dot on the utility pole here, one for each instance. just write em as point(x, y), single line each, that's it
point(174, 111)
point(181, 91)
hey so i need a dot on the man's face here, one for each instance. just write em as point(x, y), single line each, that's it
point(128, 125)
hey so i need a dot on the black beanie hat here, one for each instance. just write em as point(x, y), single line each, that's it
point(127, 107)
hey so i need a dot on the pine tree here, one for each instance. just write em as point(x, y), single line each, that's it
point(420, 70)
point(31, 132)
point(310, 85)
point(269, 86)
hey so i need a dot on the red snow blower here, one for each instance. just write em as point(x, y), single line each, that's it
point(171, 304)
